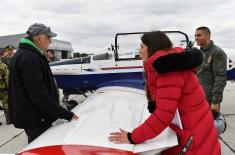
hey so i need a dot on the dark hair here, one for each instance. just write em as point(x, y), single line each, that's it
point(156, 40)
point(205, 29)
point(9, 47)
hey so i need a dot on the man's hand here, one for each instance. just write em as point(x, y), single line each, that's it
point(119, 137)
point(75, 117)
point(214, 107)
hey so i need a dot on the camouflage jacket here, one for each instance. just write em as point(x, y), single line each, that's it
point(6, 60)
point(3, 76)
point(212, 73)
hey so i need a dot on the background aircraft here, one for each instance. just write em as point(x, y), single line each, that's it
point(230, 63)
point(120, 65)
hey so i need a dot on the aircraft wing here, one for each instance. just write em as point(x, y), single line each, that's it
point(106, 110)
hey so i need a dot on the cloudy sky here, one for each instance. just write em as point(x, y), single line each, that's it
point(92, 24)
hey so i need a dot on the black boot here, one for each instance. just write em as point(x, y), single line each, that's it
point(1, 108)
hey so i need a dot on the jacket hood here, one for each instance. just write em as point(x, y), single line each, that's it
point(186, 60)
point(27, 42)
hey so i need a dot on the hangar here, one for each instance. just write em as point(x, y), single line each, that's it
point(63, 49)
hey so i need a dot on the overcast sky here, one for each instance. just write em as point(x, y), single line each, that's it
point(92, 24)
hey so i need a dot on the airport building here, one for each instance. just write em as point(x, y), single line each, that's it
point(63, 49)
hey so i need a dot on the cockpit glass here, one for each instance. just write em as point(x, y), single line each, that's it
point(128, 45)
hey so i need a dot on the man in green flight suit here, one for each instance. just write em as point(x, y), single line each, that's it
point(3, 89)
point(212, 73)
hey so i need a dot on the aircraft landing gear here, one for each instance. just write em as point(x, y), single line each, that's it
point(72, 104)
point(69, 104)
point(83, 93)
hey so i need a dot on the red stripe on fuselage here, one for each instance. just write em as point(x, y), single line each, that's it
point(126, 67)
point(75, 150)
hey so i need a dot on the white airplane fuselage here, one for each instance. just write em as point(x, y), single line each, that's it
point(104, 111)
point(96, 74)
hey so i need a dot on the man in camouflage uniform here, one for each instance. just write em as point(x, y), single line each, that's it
point(212, 73)
point(3, 89)
point(6, 59)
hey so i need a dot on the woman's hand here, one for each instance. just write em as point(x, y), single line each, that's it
point(119, 137)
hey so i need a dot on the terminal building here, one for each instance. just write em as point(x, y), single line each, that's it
point(63, 49)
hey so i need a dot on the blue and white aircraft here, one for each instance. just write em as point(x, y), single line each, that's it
point(119, 66)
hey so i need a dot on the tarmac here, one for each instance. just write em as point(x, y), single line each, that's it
point(13, 140)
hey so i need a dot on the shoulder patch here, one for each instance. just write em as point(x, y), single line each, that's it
point(209, 59)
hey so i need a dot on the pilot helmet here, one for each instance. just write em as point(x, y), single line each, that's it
point(220, 123)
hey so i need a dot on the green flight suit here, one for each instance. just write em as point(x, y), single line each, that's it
point(212, 73)
point(3, 89)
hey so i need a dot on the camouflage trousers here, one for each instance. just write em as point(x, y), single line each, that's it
point(4, 99)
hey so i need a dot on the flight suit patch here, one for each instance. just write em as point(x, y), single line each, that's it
point(209, 59)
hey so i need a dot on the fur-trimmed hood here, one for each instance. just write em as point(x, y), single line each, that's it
point(186, 60)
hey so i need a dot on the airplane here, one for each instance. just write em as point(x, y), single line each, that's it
point(230, 63)
point(117, 101)
point(120, 65)
point(116, 81)
point(104, 111)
